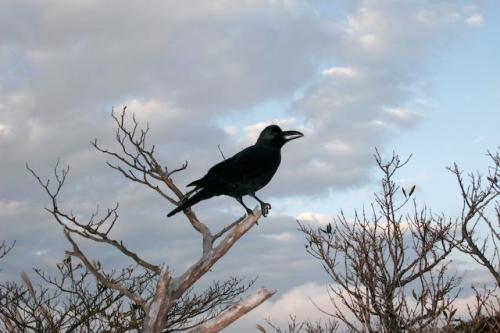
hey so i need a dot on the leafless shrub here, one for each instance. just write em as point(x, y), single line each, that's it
point(376, 259)
point(68, 303)
point(5, 248)
point(388, 267)
point(306, 326)
point(73, 302)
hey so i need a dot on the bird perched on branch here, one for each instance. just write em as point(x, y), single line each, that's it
point(244, 173)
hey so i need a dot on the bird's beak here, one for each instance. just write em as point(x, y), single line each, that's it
point(291, 135)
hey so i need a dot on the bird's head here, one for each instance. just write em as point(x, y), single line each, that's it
point(275, 136)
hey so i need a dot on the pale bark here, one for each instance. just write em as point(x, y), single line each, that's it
point(235, 312)
point(168, 290)
point(157, 309)
point(213, 254)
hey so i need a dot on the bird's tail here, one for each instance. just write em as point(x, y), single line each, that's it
point(197, 197)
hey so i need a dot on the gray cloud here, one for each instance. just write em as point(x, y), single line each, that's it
point(362, 101)
point(68, 65)
point(188, 53)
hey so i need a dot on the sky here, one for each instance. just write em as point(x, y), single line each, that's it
point(415, 77)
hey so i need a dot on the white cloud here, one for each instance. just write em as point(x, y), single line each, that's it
point(360, 103)
point(40, 252)
point(281, 237)
point(4, 129)
point(296, 301)
point(231, 131)
point(341, 71)
point(148, 110)
point(9, 207)
point(368, 40)
point(252, 131)
point(400, 113)
point(402, 117)
point(315, 218)
point(339, 147)
point(475, 20)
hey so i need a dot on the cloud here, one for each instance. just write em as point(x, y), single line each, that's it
point(181, 66)
point(251, 132)
point(281, 237)
point(296, 302)
point(187, 53)
point(340, 71)
point(475, 20)
point(178, 66)
point(315, 218)
point(363, 101)
point(304, 300)
point(4, 130)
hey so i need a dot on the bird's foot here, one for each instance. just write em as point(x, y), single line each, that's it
point(265, 208)
point(249, 211)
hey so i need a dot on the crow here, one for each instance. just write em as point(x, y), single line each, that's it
point(244, 173)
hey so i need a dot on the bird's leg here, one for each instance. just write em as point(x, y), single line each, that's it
point(240, 200)
point(264, 206)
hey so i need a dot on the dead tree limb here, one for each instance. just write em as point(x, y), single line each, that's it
point(234, 312)
point(6, 248)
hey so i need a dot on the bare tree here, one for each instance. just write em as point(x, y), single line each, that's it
point(387, 266)
point(68, 303)
point(479, 227)
point(484, 312)
point(137, 162)
point(73, 302)
point(481, 210)
point(297, 326)
point(5, 248)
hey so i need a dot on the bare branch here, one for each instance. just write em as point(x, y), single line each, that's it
point(186, 280)
point(227, 228)
point(221, 153)
point(478, 195)
point(101, 278)
point(4, 248)
point(234, 312)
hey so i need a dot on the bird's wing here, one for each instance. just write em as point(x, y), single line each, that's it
point(251, 162)
point(212, 172)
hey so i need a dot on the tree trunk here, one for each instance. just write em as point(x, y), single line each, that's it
point(157, 309)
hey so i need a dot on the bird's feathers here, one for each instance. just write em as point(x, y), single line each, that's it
point(213, 171)
point(250, 163)
point(194, 199)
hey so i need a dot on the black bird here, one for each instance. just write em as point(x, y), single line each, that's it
point(244, 173)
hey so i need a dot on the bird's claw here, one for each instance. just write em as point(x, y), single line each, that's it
point(265, 208)
point(249, 211)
